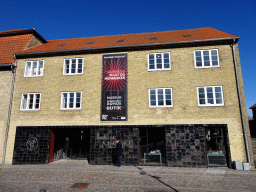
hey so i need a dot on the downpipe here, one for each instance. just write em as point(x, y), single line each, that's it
point(240, 105)
point(10, 108)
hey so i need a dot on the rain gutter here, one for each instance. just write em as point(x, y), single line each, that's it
point(240, 105)
point(13, 66)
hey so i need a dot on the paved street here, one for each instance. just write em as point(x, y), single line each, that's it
point(60, 175)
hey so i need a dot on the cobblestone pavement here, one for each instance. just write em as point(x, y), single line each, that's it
point(60, 175)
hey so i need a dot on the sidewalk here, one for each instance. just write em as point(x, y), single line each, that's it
point(60, 175)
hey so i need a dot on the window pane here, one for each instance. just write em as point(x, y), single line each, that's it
point(28, 69)
point(214, 52)
point(66, 66)
point(201, 90)
point(40, 71)
point(65, 100)
point(159, 61)
point(73, 68)
point(202, 101)
point(153, 97)
point(151, 56)
point(24, 101)
point(31, 99)
point(198, 53)
point(168, 99)
point(166, 61)
point(37, 101)
point(78, 100)
point(34, 70)
point(215, 63)
point(210, 95)
point(80, 65)
point(218, 89)
point(160, 97)
point(219, 101)
point(71, 100)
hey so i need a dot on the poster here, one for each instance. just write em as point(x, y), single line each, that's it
point(114, 88)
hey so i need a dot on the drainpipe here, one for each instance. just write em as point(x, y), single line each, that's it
point(240, 106)
point(13, 66)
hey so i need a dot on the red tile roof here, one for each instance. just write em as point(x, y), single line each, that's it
point(14, 41)
point(252, 107)
point(10, 45)
point(129, 40)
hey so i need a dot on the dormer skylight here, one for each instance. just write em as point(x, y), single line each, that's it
point(152, 38)
point(90, 42)
point(61, 45)
point(187, 35)
point(121, 40)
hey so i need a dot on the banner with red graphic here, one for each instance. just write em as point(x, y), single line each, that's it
point(114, 88)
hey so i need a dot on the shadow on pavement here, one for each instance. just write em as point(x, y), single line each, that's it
point(156, 178)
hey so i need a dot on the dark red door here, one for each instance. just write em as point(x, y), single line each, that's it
point(51, 152)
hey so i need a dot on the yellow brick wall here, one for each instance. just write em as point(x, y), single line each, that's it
point(5, 94)
point(183, 78)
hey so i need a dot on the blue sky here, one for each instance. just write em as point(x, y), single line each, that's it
point(61, 19)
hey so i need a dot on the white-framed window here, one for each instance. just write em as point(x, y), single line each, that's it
point(30, 101)
point(210, 96)
point(73, 66)
point(160, 97)
point(34, 68)
point(159, 61)
point(71, 100)
point(206, 58)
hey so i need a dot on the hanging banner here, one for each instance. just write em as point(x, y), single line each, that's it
point(114, 88)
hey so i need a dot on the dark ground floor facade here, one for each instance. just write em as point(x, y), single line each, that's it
point(195, 145)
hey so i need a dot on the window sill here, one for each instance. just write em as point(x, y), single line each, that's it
point(152, 107)
point(207, 67)
point(35, 76)
point(70, 109)
point(73, 74)
point(159, 69)
point(29, 110)
point(211, 105)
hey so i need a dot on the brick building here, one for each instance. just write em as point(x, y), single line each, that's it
point(173, 98)
point(11, 42)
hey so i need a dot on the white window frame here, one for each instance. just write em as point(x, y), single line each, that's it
point(210, 58)
point(26, 108)
point(155, 63)
point(164, 98)
point(207, 104)
point(70, 66)
point(62, 103)
point(28, 72)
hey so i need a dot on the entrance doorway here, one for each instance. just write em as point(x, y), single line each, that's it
point(152, 146)
point(72, 143)
point(216, 147)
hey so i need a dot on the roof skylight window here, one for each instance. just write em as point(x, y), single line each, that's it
point(152, 38)
point(61, 45)
point(187, 35)
point(90, 42)
point(121, 40)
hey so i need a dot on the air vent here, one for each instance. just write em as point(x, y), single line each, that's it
point(61, 45)
point(90, 42)
point(187, 35)
point(121, 40)
point(152, 38)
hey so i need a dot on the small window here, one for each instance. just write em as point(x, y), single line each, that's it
point(210, 96)
point(34, 68)
point(159, 61)
point(71, 100)
point(73, 66)
point(30, 101)
point(206, 58)
point(160, 97)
